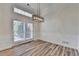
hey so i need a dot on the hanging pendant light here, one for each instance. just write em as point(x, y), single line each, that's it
point(38, 17)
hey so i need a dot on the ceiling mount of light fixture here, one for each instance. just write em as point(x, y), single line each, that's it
point(28, 4)
point(38, 17)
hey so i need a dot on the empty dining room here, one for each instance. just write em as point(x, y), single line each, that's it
point(39, 29)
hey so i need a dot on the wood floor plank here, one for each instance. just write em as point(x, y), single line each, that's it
point(33, 49)
point(71, 52)
point(36, 44)
point(39, 48)
point(42, 49)
point(76, 52)
point(54, 51)
point(63, 51)
point(45, 51)
point(58, 52)
point(51, 49)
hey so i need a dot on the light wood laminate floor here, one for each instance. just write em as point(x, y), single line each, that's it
point(39, 48)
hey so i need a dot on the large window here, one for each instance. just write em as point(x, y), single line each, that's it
point(22, 30)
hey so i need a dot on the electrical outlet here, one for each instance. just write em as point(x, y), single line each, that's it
point(65, 42)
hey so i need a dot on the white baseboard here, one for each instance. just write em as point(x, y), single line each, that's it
point(61, 44)
point(21, 42)
point(16, 43)
point(1, 49)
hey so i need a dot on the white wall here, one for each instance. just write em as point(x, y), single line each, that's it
point(78, 29)
point(6, 31)
point(5, 27)
point(62, 27)
point(36, 30)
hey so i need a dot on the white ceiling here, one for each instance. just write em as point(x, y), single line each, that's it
point(46, 9)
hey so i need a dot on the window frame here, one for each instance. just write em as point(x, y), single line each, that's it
point(24, 39)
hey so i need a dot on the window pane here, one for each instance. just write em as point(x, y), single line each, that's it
point(18, 30)
point(28, 30)
point(22, 30)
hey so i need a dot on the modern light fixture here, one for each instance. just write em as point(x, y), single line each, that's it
point(38, 17)
point(19, 11)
